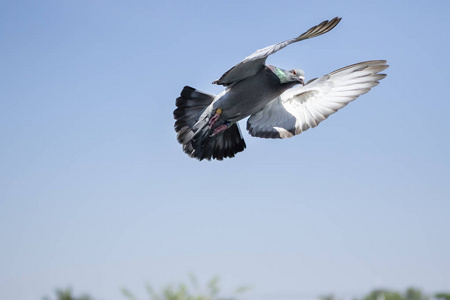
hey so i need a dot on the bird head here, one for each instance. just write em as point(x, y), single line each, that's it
point(292, 77)
point(300, 74)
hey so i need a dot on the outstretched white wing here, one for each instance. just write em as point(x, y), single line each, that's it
point(253, 63)
point(304, 107)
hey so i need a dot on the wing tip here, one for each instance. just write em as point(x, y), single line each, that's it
point(320, 29)
point(376, 65)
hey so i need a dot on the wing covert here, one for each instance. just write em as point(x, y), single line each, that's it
point(304, 107)
point(254, 62)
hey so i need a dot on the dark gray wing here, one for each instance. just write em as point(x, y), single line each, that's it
point(253, 63)
point(304, 107)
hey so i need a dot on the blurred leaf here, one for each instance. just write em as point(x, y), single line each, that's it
point(213, 286)
point(383, 295)
point(242, 289)
point(182, 291)
point(328, 297)
point(66, 294)
point(193, 281)
point(443, 296)
point(128, 294)
point(153, 295)
point(415, 294)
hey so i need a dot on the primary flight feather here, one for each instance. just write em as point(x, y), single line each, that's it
point(278, 102)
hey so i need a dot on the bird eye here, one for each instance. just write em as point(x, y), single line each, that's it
point(294, 72)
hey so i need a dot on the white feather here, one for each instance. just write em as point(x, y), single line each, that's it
point(315, 102)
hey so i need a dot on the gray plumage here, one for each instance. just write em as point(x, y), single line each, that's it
point(278, 106)
point(253, 63)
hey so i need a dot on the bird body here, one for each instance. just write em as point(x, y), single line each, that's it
point(278, 102)
point(250, 95)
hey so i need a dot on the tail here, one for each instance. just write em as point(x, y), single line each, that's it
point(197, 142)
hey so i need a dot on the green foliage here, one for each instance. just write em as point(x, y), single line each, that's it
point(182, 291)
point(442, 296)
point(384, 294)
point(211, 291)
point(66, 294)
point(328, 297)
point(415, 294)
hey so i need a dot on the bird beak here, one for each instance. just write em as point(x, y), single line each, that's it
point(298, 78)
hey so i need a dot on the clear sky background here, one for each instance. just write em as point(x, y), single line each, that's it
point(96, 193)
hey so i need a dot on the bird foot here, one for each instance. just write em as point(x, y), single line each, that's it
point(214, 118)
point(219, 129)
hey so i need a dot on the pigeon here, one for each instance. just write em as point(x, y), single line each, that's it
point(278, 102)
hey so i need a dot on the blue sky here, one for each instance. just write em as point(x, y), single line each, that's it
point(97, 194)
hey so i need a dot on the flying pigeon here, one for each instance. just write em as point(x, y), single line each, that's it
point(279, 103)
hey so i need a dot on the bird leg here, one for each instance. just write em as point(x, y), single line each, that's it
point(221, 128)
point(214, 118)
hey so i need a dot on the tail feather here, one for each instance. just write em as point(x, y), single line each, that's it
point(223, 145)
point(190, 105)
point(197, 142)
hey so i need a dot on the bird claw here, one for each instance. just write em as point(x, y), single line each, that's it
point(219, 129)
point(213, 120)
